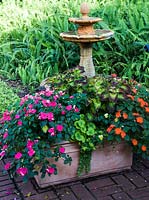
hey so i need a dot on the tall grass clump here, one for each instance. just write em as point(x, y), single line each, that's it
point(125, 53)
point(31, 48)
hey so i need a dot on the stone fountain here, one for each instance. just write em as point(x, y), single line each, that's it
point(85, 36)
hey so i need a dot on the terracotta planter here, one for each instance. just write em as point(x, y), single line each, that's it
point(111, 158)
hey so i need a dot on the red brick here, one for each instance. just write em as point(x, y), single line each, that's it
point(106, 198)
point(123, 182)
point(45, 196)
point(26, 188)
point(105, 191)
point(81, 192)
point(139, 193)
point(121, 196)
point(66, 194)
point(99, 183)
point(146, 163)
point(138, 180)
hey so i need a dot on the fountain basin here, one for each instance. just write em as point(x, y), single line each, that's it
point(73, 36)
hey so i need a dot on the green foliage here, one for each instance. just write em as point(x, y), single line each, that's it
point(7, 97)
point(31, 48)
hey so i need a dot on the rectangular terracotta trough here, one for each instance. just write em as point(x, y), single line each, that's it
point(110, 158)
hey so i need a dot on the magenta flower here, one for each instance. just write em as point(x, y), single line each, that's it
point(2, 154)
point(17, 116)
point(45, 102)
point(50, 170)
point(6, 116)
point(59, 127)
point(69, 107)
point(30, 144)
point(30, 106)
point(51, 131)
point(7, 166)
point(22, 171)
point(5, 147)
point(31, 111)
point(18, 155)
point(5, 135)
point(62, 150)
point(55, 97)
point(48, 93)
point(71, 97)
point(52, 104)
point(63, 112)
point(42, 116)
point(50, 116)
point(61, 93)
point(31, 152)
point(76, 109)
point(19, 123)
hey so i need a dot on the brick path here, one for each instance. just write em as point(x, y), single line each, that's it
point(128, 185)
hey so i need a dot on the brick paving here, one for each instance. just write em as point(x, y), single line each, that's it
point(127, 185)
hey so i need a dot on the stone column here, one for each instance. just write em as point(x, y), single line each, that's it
point(86, 59)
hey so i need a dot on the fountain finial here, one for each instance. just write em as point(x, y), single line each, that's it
point(84, 9)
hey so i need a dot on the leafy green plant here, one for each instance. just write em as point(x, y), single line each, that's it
point(7, 96)
point(31, 48)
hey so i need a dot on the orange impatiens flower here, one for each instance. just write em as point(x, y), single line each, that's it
point(109, 129)
point(139, 120)
point(134, 142)
point(131, 97)
point(143, 148)
point(147, 109)
point(125, 116)
point(135, 114)
point(134, 90)
point(118, 114)
point(123, 134)
point(118, 131)
point(142, 102)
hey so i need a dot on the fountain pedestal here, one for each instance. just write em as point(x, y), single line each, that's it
point(86, 35)
point(86, 59)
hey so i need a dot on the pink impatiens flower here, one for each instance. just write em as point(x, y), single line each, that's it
point(62, 150)
point(48, 116)
point(7, 166)
point(59, 127)
point(69, 107)
point(76, 109)
point(63, 112)
point(50, 170)
point(5, 147)
point(5, 135)
point(51, 131)
point(22, 171)
point(19, 123)
point(18, 155)
point(2, 154)
point(6, 116)
point(52, 104)
point(31, 152)
point(17, 116)
point(30, 144)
